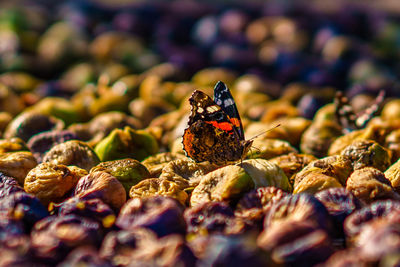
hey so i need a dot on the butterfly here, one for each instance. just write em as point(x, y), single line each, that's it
point(215, 131)
point(350, 120)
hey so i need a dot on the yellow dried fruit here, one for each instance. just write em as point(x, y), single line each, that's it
point(156, 163)
point(224, 184)
point(17, 164)
point(186, 172)
point(50, 182)
point(158, 187)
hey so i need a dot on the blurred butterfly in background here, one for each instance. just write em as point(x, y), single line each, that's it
point(348, 118)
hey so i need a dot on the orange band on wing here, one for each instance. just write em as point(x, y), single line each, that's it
point(225, 126)
point(235, 122)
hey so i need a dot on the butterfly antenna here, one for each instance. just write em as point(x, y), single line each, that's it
point(276, 126)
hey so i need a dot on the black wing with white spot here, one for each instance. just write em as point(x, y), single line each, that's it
point(224, 99)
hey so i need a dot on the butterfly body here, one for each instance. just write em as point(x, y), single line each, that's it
point(215, 131)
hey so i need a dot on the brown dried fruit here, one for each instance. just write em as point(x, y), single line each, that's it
point(224, 184)
point(270, 148)
point(158, 187)
point(73, 152)
point(369, 184)
point(185, 172)
point(393, 175)
point(50, 182)
point(104, 186)
point(253, 205)
point(314, 181)
point(367, 153)
point(157, 162)
point(29, 123)
point(17, 164)
point(12, 145)
point(317, 139)
point(292, 163)
point(338, 167)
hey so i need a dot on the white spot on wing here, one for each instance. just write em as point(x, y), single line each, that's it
point(212, 108)
point(228, 102)
point(200, 110)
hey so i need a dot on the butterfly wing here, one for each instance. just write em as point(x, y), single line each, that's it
point(346, 116)
point(210, 135)
point(224, 99)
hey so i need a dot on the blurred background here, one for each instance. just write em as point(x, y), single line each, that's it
point(56, 48)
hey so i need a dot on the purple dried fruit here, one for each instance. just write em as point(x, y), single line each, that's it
point(358, 219)
point(54, 237)
point(300, 207)
point(340, 203)
point(94, 209)
point(163, 215)
point(23, 207)
point(297, 243)
point(41, 143)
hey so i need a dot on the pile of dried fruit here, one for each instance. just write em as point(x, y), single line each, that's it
point(94, 103)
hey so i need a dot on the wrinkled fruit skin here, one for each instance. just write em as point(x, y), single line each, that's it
point(300, 207)
point(101, 185)
point(53, 237)
point(163, 215)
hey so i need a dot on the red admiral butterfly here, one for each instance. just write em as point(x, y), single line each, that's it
point(215, 131)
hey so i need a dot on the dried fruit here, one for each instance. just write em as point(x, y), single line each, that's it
point(340, 203)
point(270, 148)
point(163, 215)
point(82, 256)
point(158, 187)
point(185, 172)
point(296, 243)
point(224, 184)
point(50, 182)
point(102, 125)
point(17, 164)
point(101, 185)
point(300, 207)
point(128, 171)
point(393, 175)
point(13, 144)
point(314, 180)
point(23, 207)
point(292, 163)
point(264, 173)
point(369, 184)
point(317, 139)
point(367, 153)
point(209, 218)
point(233, 251)
point(29, 123)
point(73, 152)
point(93, 209)
point(8, 186)
point(54, 237)
point(126, 143)
point(157, 162)
point(41, 143)
point(117, 246)
point(358, 219)
point(254, 204)
point(339, 167)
